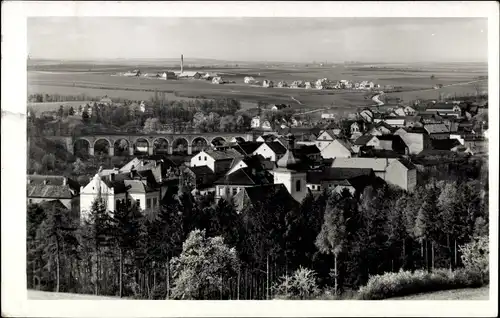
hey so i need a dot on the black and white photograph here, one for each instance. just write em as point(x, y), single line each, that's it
point(230, 157)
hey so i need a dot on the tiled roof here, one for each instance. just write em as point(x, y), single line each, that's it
point(347, 144)
point(53, 204)
point(363, 140)
point(49, 191)
point(276, 147)
point(53, 180)
point(305, 150)
point(138, 186)
point(436, 128)
point(376, 164)
point(201, 170)
point(272, 196)
point(227, 154)
point(247, 148)
point(118, 185)
point(329, 174)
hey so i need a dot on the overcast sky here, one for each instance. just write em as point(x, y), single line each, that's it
point(261, 39)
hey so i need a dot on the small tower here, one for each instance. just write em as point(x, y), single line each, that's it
point(290, 173)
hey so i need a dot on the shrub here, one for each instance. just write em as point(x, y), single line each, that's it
point(406, 283)
point(475, 255)
point(301, 285)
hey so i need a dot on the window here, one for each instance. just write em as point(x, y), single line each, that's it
point(199, 158)
point(205, 158)
point(30, 201)
point(155, 202)
point(138, 202)
point(117, 204)
point(297, 185)
point(235, 190)
point(148, 204)
point(318, 188)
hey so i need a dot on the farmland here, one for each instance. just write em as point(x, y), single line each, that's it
point(416, 81)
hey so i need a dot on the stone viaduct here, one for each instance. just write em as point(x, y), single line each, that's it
point(168, 142)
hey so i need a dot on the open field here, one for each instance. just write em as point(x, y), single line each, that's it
point(98, 80)
point(454, 294)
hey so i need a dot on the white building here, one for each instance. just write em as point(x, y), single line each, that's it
point(271, 150)
point(249, 80)
point(289, 174)
point(337, 149)
point(110, 193)
point(255, 123)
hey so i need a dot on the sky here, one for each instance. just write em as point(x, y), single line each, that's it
point(261, 39)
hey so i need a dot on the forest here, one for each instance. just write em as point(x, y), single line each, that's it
point(195, 248)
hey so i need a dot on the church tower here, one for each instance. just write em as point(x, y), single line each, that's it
point(289, 172)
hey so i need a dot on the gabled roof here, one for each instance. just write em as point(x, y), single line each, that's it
point(389, 137)
point(276, 147)
point(53, 180)
point(271, 196)
point(385, 125)
point(246, 176)
point(200, 170)
point(227, 154)
point(248, 147)
point(436, 128)
point(376, 164)
point(363, 140)
point(49, 191)
point(257, 162)
point(305, 150)
point(138, 186)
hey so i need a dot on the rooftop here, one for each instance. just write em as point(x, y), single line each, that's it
point(49, 191)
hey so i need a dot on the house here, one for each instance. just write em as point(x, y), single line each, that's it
point(273, 150)
point(325, 138)
point(308, 85)
point(448, 109)
point(364, 141)
point(416, 141)
point(409, 111)
point(189, 74)
point(231, 184)
point(254, 162)
point(381, 128)
point(413, 121)
point(399, 111)
point(219, 161)
point(394, 121)
point(297, 84)
point(200, 177)
point(338, 148)
point(218, 80)
point(366, 115)
point(112, 193)
point(249, 80)
point(267, 138)
point(398, 172)
point(437, 131)
point(328, 115)
point(277, 107)
point(267, 83)
point(106, 101)
point(168, 75)
point(255, 123)
point(338, 179)
point(391, 142)
point(282, 84)
point(41, 188)
point(307, 152)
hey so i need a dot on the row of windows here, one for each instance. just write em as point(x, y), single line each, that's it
point(199, 158)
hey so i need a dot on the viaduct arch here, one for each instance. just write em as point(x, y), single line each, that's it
point(194, 141)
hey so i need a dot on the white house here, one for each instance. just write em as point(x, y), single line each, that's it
point(267, 83)
point(337, 149)
point(328, 115)
point(249, 80)
point(255, 123)
point(271, 150)
point(217, 160)
point(167, 75)
point(325, 138)
point(110, 193)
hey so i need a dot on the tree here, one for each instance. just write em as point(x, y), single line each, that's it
point(151, 125)
point(213, 122)
point(126, 231)
point(79, 166)
point(227, 123)
point(301, 285)
point(200, 269)
point(224, 222)
point(60, 112)
point(71, 111)
point(57, 235)
point(333, 235)
point(48, 161)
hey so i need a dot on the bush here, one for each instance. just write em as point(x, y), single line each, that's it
point(406, 283)
point(301, 285)
point(475, 255)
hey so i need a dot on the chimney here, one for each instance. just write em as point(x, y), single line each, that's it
point(182, 63)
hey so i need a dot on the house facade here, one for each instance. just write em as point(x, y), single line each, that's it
point(272, 151)
point(337, 149)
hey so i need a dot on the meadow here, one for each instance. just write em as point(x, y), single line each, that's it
point(417, 81)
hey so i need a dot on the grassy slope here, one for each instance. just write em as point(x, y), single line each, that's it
point(42, 295)
point(454, 294)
